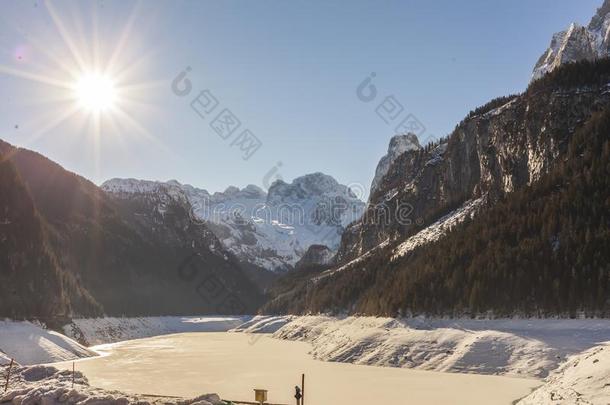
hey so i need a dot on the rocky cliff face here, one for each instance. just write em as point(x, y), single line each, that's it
point(399, 144)
point(507, 216)
point(577, 43)
point(498, 148)
point(316, 255)
point(270, 230)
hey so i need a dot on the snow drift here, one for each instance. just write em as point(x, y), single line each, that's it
point(49, 386)
point(264, 324)
point(29, 343)
point(584, 379)
point(98, 331)
point(525, 348)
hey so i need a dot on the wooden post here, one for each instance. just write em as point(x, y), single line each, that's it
point(303, 389)
point(73, 371)
point(8, 375)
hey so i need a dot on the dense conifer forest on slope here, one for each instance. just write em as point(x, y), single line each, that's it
point(539, 251)
point(67, 249)
point(31, 280)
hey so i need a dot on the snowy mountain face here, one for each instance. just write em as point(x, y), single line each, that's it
point(577, 43)
point(270, 230)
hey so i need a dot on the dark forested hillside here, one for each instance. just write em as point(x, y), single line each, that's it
point(31, 281)
point(497, 149)
point(540, 249)
point(66, 248)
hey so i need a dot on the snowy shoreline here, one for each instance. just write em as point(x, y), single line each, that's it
point(521, 347)
point(573, 354)
point(512, 347)
point(48, 385)
point(535, 348)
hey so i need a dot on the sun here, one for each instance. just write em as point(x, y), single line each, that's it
point(95, 92)
point(93, 84)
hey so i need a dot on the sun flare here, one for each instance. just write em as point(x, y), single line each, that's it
point(95, 92)
point(90, 80)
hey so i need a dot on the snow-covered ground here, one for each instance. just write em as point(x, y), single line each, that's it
point(29, 343)
point(439, 228)
point(577, 349)
point(264, 324)
point(584, 379)
point(49, 386)
point(98, 331)
point(349, 265)
point(508, 347)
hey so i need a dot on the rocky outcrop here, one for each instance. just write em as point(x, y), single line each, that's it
point(316, 255)
point(506, 216)
point(399, 144)
point(577, 43)
point(494, 151)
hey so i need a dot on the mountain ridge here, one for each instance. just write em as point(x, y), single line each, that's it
point(116, 258)
point(506, 154)
point(273, 229)
point(577, 43)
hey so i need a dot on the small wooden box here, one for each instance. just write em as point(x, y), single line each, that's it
point(260, 395)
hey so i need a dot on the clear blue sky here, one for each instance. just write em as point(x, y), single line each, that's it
point(287, 69)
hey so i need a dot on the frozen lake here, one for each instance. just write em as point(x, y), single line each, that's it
point(232, 364)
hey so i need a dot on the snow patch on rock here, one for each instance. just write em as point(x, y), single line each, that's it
point(351, 263)
point(437, 154)
point(439, 228)
point(427, 235)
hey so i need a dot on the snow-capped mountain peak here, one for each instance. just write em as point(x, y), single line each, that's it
point(126, 187)
point(577, 43)
point(310, 185)
point(272, 230)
